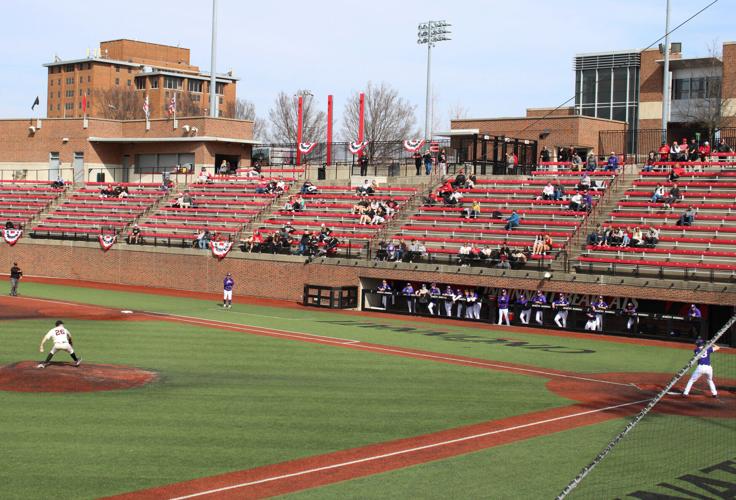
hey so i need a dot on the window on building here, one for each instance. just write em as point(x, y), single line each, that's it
point(79, 66)
point(220, 99)
point(80, 105)
point(620, 85)
point(69, 67)
point(80, 92)
point(89, 78)
point(713, 87)
point(58, 94)
point(154, 82)
point(89, 65)
point(194, 86)
point(81, 79)
point(681, 89)
point(129, 70)
point(70, 80)
point(163, 162)
point(117, 81)
point(219, 88)
point(140, 83)
point(117, 69)
point(129, 83)
point(51, 83)
point(58, 107)
point(172, 82)
point(69, 106)
point(70, 93)
point(59, 82)
point(88, 91)
point(588, 86)
point(697, 88)
point(195, 98)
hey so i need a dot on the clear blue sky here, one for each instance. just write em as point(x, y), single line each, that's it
point(505, 55)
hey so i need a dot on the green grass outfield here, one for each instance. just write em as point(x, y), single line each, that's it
point(228, 401)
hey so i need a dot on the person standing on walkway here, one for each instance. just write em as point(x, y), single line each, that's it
point(15, 275)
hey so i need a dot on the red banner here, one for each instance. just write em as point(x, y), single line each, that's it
point(11, 236)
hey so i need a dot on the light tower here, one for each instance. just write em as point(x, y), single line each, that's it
point(430, 33)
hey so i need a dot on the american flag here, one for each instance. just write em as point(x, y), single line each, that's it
point(145, 106)
point(172, 105)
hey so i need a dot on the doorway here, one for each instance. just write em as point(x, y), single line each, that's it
point(78, 166)
point(232, 162)
point(54, 164)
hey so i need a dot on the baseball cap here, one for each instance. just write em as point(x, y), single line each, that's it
point(59, 323)
point(699, 342)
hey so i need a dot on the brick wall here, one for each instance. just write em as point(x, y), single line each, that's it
point(185, 270)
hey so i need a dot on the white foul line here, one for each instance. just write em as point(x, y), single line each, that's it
point(341, 341)
point(403, 452)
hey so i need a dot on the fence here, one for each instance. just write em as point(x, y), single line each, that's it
point(638, 143)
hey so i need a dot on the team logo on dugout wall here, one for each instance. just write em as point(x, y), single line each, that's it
point(11, 236)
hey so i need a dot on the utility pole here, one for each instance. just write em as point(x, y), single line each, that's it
point(430, 33)
point(666, 76)
point(213, 63)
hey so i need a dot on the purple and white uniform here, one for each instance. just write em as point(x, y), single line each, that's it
point(704, 368)
point(227, 287)
point(503, 308)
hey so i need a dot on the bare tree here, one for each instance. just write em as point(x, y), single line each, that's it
point(704, 105)
point(457, 112)
point(243, 109)
point(388, 117)
point(118, 103)
point(283, 119)
point(187, 105)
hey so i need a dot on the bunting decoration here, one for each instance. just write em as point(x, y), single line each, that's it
point(357, 147)
point(11, 236)
point(146, 108)
point(220, 248)
point(306, 147)
point(414, 145)
point(107, 241)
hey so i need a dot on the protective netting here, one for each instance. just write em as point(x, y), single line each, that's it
point(676, 447)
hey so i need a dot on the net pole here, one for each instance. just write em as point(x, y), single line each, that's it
point(604, 453)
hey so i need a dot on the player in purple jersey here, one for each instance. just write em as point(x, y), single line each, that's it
point(227, 291)
point(704, 368)
point(560, 304)
point(503, 307)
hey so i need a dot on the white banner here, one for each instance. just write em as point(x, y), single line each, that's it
point(11, 236)
point(220, 248)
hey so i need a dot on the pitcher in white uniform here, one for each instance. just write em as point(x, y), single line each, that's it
point(62, 342)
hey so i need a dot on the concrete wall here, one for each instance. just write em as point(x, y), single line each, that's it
point(261, 276)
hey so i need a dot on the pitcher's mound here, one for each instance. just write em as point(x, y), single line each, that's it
point(65, 377)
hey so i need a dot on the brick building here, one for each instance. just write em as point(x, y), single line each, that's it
point(122, 150)
point(621, 93)
point(121, 72)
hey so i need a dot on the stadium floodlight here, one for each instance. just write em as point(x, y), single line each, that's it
point(430, 33)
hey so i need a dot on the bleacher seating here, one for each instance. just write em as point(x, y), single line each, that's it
point(706, 249)
point(333, 206)
point(442, 229)
point(22, 200)
point(84, 213)
point(223, 206)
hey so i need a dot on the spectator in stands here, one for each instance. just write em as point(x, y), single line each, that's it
point(289, 205)
point(674, 196)
point(518, 258)
point(202, 240)
point(187, 201)
point(401, 249)
point(576, 202)
point(413, 253)
point(577, 162)
point(107, 191)
point(417, 156)
point(280, 186)
point(664, 152)
point(308, 188)
point(252, 242)
point(509, 162)
point(544, 156)
point(538, 246)
point(687, 218)
point(625, 238)
point(253, 173)
point(378, 217)
point(651, 159)
point(584, 182)
point(364, 189)
point(329, 247)
point(548, 192)
point(58, 183)
point(204, 177)
point(596, 237)
point(616, 237)
point(442, 162)
point(658, 194)
point(454, 198)
point(693, 153)
point(675, 173)
point(391, 251)
point(427, 163)
point(723, 148)
point(299, 204)
point(460, 179)
point(587, 201)
point(704, 151)
point(652, 237)
point(134, 236)
point(675, 151)
point(563, 154)
point(591, 163)
point(324, 232)
point(612, 163)
point(472, 212)
point(559, 192)
point(637, 237)
point(463, 253)
point(512, 221)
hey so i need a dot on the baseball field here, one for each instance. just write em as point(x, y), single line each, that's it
point(178, 398)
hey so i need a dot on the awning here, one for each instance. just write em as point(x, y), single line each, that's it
point(458, 132)
point(195, 138)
